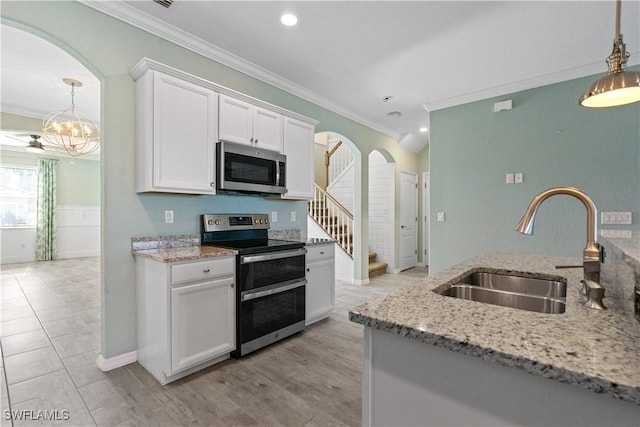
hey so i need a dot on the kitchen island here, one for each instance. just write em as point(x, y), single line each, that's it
point(436, 360)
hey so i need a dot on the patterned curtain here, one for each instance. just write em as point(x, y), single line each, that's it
point(46, 223)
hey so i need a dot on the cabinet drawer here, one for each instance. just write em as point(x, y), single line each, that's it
point(202, 270)
point(320, 252)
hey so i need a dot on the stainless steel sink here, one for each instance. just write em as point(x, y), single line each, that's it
point(524, 293)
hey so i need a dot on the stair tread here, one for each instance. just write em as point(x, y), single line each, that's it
point(377, 266)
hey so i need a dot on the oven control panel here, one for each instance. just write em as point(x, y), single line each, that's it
point(224, 222)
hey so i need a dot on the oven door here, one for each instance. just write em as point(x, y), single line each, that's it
point(269, 315)
point(249, 169)
point(271, 268)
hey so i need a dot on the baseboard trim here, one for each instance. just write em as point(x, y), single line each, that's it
point(116, 361)
point(360, 282)
point(396, 271)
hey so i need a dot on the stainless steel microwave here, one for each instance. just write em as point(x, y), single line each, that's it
point(246, 169)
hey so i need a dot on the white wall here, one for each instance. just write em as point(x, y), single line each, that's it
point(381, 208)
point(78, 236)
point(342, 189)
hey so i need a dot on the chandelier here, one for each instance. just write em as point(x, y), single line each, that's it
point(69, 131)
point(618, 87)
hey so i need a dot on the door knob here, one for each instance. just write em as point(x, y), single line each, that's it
point(402, 226)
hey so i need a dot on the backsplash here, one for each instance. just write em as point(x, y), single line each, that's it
point(164, 242)
point(293, 233)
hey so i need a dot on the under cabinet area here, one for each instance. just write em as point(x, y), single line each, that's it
point(248, 124)
point(177, 128)
point(185, 315)
point(320, 291)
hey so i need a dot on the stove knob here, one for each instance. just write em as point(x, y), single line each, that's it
point(261, 221)
point(217, 222)
point(266, 221)
point(210, 222)
point(255, 220)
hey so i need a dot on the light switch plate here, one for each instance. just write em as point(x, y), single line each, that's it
point(274, 216)
point(168, 217)
point(440, 216)
point(509, 178)
point(293, 216)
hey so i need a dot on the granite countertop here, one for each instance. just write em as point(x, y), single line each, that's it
point(596, 350)
point(176, 248)
point(313, 241)
point(188, 253)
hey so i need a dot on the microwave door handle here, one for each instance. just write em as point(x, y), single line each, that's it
point(277, 172)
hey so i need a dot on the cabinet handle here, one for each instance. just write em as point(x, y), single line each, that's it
point(231, 285)
point(256, 140)
point(308, 270)
point(251, 140)
point(206, 270)
point(213, 184)
point(321, 253)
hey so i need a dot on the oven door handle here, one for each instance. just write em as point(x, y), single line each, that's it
point(246, 259)
point(253, 295)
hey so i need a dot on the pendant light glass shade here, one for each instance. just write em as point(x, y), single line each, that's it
point(619, 87)
point(70, 131)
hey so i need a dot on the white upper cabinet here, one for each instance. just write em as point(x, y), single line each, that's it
point(176, 135)
point(298, 147)
point(248, 124)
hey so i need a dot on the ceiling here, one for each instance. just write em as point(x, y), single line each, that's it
point(348, 56)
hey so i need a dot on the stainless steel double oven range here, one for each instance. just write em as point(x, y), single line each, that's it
point(270, 276)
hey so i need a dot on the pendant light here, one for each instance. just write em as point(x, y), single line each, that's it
point(70, 131)
point(619, 87)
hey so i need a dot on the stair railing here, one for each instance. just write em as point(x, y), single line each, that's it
point(334, 218)
point(337, 160)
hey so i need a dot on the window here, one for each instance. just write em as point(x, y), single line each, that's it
point(18, 196)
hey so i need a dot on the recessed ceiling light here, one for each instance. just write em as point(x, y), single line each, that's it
point(394, 114)
point(423, 129)
point(288, 19)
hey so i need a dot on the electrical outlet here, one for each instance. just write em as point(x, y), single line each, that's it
point(616, 218)
point(274, 216)
point(509, 178)
point(293, 216)
point(440, 216)
point(518, 177)
point(168, 217)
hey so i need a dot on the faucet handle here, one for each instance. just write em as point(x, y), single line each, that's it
point(595, 294)
point(603, 255)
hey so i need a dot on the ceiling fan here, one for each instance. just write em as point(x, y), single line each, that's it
point(30, 141)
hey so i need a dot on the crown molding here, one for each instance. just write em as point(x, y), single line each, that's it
point(120, 10)
point(520, 85)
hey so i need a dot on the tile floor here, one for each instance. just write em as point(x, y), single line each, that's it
point(50, 338)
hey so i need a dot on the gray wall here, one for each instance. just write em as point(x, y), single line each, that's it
point(550, 139)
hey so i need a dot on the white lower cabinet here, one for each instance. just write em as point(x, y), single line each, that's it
point(320, 290)
point(186, 315)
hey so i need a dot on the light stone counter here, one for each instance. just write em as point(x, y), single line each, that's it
point(596, 350)
point(176, 248)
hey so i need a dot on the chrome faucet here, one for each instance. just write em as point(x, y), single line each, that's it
point(593, 253)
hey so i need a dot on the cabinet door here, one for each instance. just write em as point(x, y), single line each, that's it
point(298, 147)
point(202, 322)
point(267, 129)
point(320, 290)
point(236, 121)
point(184, 135)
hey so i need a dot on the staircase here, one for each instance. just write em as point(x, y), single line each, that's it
point(337, 221)
point(334, 218)
point(376, 268)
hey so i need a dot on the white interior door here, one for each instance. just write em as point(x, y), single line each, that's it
point(426, 187)
point(408, 220)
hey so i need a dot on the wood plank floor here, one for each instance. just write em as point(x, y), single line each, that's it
point(49, 336)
